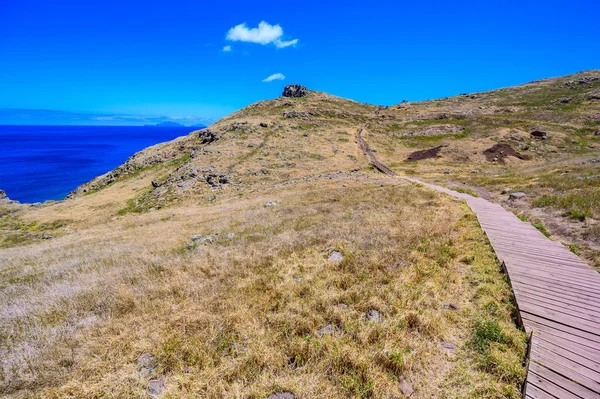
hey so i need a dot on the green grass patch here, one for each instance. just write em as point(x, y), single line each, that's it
point(576, 249)
point(576, 206)
point(417, 141)
point(541, 228)
point(485, 333)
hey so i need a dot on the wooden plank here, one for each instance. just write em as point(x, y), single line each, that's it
point(564, 318)
point(541, 259)
point(579, 281)
point(556, 306)
point(566, 271)
point(552, 283)
point(525, 283)
point(578, 349)
point(568, 354)
point(537, 393)
point(546, 375)
point(558, 296)
point(566, 368)
point(574, 332)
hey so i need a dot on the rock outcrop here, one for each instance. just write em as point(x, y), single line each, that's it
point(207, 136)
point(295, 91)
point(538, 134)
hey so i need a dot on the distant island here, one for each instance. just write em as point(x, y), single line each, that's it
point(167, 124)
point(174, 124)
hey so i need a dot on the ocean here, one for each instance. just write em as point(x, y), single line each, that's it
point(40, 163)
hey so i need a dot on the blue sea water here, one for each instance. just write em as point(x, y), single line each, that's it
point(39, 163)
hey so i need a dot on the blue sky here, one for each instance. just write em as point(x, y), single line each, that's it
point(148, 59)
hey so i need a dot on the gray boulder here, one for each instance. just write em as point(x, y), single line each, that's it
point(295, 91)
point(207, 136)
point(540, 135)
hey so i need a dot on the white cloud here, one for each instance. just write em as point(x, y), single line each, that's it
point(227, 49)
point(265, 33)
point(275, 76)
point(282, 44)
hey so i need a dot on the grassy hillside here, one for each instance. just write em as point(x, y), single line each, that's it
point(265, 255)
point(485, 144)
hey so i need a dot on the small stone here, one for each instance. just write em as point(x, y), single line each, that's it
point(475, 171)
point(281, 395)
point(263, 124)
point(450, 346)
point(198, 239)
point(155, 184)
point(406, 388)
point(327, 330)
point(230, 235)
point(374, 316)
point(146, 360)
point(446, 172)
point(517, 195)
point(270, 203)
point(156, 387)
point(449, 306)
point(298, 279)
point(506, 190)
point(335, 256)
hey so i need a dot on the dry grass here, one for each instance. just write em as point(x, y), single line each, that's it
point(240, 317)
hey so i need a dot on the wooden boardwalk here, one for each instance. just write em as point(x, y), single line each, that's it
point(558, 300)
point(557, 296)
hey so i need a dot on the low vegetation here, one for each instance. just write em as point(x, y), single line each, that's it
point(265, 255)
point(265, 310)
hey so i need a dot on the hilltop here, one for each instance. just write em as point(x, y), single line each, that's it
point(264, 254)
